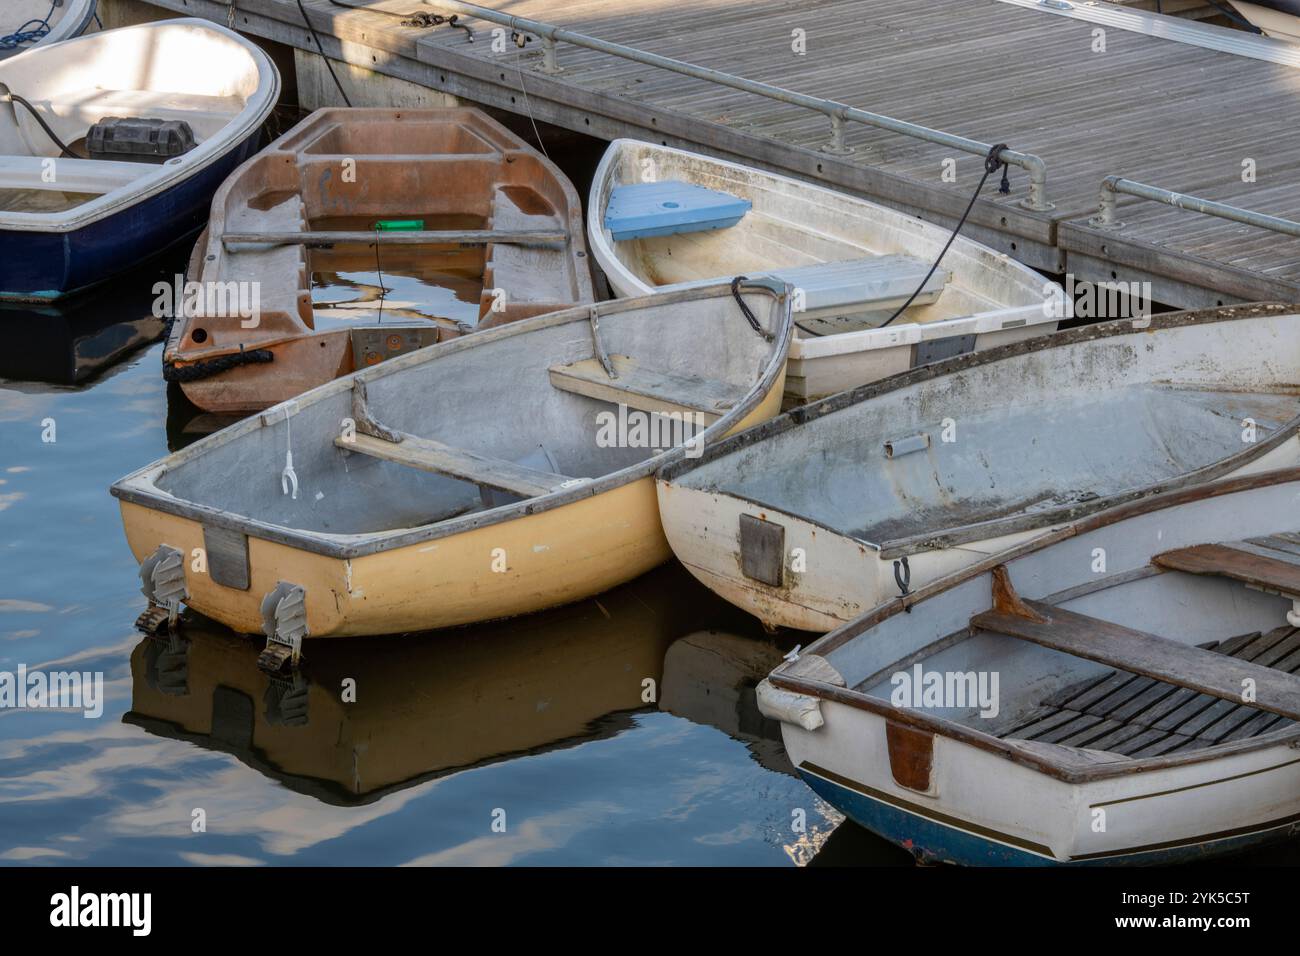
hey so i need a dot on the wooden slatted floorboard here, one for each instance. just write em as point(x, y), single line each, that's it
point(1141, 717)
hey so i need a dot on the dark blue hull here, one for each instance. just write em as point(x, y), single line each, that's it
point(43, 266)
point(936, 841)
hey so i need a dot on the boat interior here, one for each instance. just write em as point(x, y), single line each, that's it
point(143, 72)
point(855, 262)
point(376, 181)
point(1147, 659)
point(431, 443)
point(1077, 680)
point(1059, 426)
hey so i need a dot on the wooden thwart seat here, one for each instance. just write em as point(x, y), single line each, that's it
point(1271, 563)
point(380, 441)
point(1138, 652)
point(429, 455)
point(650, 390)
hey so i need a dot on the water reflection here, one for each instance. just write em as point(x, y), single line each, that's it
point(365, 718)
point(71, 343)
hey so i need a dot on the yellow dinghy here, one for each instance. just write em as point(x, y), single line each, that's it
point(488, 476)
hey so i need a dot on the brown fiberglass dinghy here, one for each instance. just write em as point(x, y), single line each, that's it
point(362, 234)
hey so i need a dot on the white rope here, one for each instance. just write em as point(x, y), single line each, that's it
point(528, 106)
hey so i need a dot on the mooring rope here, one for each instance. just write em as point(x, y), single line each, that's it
point(7, 95)
point(214, 366)
point(520, 40)
point(419, 19)
point(329, 66)
point(991, 165)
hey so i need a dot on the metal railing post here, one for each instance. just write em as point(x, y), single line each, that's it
point(1113, 185)
point(837, 146)
point(549, 64)
point(1105, 218)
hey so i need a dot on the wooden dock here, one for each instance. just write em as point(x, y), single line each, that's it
point(1166, 113)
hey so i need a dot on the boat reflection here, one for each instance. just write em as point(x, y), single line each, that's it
point(71, 344)
point(462, 698)
point(82, 337)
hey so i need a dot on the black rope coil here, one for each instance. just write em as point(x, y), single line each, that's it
point(215, 366)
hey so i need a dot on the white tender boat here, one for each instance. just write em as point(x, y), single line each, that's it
point(827, 511)
point(661, 218)
point(28, 23)
point(1124, 690)
point(112, 145)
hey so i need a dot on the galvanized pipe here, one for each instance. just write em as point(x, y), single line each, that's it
point(836, 111)
point(1112, 186)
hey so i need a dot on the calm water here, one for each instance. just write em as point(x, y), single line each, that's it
point(542, 718)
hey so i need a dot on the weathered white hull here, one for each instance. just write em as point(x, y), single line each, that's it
point(1165, 772)
point(849, 514)
point(989, 296)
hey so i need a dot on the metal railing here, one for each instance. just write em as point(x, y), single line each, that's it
point(1112, 186)
point(838, 113)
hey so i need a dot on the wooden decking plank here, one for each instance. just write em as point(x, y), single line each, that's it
point(1118, 737)
point(1047, 724)
point(959, 58)
point(1141, 741)
point(1081, 722)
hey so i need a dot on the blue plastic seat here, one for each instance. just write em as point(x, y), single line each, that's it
point(639, 210)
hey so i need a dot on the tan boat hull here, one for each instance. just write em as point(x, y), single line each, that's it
point(551, 558)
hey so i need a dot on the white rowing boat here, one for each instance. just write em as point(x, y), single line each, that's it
point(661, 218)
point(1125, 690)
point(112, 145)
point(820, 515)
